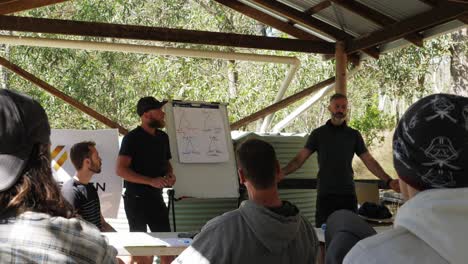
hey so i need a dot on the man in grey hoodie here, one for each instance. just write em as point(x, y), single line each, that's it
point(263, 229)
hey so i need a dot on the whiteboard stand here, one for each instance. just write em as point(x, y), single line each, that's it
point(171, 194)
point(203, 154)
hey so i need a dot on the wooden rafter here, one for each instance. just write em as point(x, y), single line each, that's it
point(267, 19)
point(463, 18)
point(305, 20)
point(318, 7)
point(459, 1)
point(432, 3)
point(436, 3)
point(54, 91)
point(94, 29)
point(12, 6)
point(376, 17)
point(436, 16)
point(281, 104)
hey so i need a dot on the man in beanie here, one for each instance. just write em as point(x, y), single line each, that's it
point(144, 163)
point(35, 220)
point(430, 154)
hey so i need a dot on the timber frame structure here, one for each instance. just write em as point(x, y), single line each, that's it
point(348, 30)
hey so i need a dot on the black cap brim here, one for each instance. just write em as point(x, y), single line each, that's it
point(10, 171)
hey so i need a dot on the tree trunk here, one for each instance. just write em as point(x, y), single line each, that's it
point(319, 120)
point(233, 77)
point(5, 74)
point(459, 63)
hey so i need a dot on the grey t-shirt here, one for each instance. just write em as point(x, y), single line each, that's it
point(336, 146)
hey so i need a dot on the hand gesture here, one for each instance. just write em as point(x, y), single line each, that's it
point(158, 182)
point(395, 185)
point(171, 179)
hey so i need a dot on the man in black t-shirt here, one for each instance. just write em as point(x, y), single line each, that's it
point(78, 191)
point(336, 144)
point(144, 163)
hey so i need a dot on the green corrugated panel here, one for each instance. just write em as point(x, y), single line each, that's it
point(192, 214)
point(286, 148)
point(303, 199)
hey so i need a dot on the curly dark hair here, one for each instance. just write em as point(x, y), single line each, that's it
point(36, 190)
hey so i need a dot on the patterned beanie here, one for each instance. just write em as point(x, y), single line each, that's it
point(430, 144)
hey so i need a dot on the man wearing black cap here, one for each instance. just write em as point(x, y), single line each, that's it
point(144, 163)
point(430, 155)
point(35, 220)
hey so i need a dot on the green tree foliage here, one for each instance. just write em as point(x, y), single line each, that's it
point(372, 121)
point(112, 82)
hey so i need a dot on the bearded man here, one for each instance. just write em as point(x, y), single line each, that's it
point(144, 163)
point(336, 143)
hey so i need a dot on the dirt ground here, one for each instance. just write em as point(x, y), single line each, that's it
point(382, 153)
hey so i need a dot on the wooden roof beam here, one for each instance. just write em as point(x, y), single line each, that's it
point(443, 13)
point(318, 7)
point(432, 3)
point(266, 19)
point(281, 104)
point(94, 29)
point(56, 92)
point(303, 19)
point(436, 3)
point(463, 18)
point(376, 17)
point(12, 6)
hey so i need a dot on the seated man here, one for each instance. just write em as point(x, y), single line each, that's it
point(78, 191)
point(264, 229)
point(35, 220)
point(430, 154)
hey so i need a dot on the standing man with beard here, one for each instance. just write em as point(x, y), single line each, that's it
point(336, 144)
point(144, 163)
point(78, 191)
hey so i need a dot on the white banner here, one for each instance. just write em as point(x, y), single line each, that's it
point(107, 183)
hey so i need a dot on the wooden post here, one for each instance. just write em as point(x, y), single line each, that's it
point(341, 61)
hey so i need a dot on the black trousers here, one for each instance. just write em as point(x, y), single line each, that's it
point(327, 204)
point(146, 210)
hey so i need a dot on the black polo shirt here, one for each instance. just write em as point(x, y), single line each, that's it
point(150, 155)
point(335, 146)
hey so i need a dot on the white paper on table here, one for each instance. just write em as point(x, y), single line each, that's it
point(136, 240)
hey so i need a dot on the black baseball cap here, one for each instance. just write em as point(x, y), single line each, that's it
point(23, 123)
point(148, 103)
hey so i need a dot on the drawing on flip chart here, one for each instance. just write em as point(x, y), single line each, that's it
point(201, 137)
point(188, 147)
point(213, 148)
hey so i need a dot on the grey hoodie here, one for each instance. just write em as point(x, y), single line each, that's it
point(254, 234)
point(430, 228)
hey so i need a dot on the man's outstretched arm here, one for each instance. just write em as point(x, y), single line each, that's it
point(378, 171)
point(296, 162)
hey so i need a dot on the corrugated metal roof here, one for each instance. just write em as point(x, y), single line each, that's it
point(346, 20)
point(359, 26)
point(397, 9)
